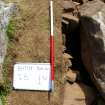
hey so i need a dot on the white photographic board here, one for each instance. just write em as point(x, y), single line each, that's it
point(32, 76)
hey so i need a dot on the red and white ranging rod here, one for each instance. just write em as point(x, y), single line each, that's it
point(52, 43)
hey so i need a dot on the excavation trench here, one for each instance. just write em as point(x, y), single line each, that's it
point(71, 40)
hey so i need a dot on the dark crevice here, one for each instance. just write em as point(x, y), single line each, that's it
point(73, 47)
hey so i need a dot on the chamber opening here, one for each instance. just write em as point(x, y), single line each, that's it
point(71, 40)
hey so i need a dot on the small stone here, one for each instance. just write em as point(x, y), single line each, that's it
point(76, 3)
point(66, 64)
point(68, 16)
point(71, 76)
point(68, 5)
point(69, 63)
point(63, 48)
point(67, 56)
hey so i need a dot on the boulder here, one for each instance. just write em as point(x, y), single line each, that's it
point(92, 35)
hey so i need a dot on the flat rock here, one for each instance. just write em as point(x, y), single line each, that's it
point(68, 16)
point(71, 76)
point(67, 56)
point(68, 4)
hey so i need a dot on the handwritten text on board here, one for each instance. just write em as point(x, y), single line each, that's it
point(32, 76)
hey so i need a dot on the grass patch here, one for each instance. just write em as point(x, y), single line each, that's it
point(7, 66)
point(8, 63)
point(11, 29)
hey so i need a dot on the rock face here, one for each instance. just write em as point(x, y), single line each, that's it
point(92, 37)
point(5, 12)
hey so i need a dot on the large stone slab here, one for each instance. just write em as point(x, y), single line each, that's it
point(92, 23)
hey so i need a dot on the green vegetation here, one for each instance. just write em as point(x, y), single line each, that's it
point(7, 66)
point(6, 69)
point(8, 62)
point(11, 29)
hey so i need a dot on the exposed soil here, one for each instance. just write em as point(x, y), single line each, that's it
point(32, 45)
point(78, 94)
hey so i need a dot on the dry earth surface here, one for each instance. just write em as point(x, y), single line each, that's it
point(32, 45)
